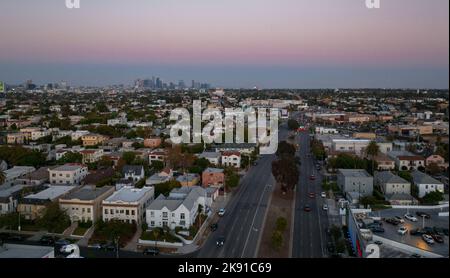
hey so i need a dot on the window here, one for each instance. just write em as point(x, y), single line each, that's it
point(165, 214)
point(89, 210)
point(132, 212)
point(152, 223)
point(152, 213)
point(106, 211)
point(127, 212)
point(182, 216)
point(82, 210)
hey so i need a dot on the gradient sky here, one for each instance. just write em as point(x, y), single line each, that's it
point(230, 43)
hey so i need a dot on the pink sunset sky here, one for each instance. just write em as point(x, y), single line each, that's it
point(293, 33)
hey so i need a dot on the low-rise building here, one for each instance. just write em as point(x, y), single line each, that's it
point(70, 173)
point(157, 155)
point(128, 204)
point(213, 177)
point(188, 179)
point(17, 138)
point(32, 206)
point(231, 158)
point(133, 172)
point(426, 184)
point(179, 209)
point(164, 176)
point(212, 157)
point(356, 180)
point(85, 203)
point(15, 173)
point(153, 142)
point(91, 155)
point(384, 162)
point(92, 139)
point(392, 184)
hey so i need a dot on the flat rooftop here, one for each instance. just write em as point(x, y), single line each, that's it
point(52, 192)
point(129, 194)
point(68, 167)
point(17, 251)
point(355, 173)
point(87, 193)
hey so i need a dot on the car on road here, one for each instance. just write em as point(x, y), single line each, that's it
point(377, 229)
point(312, 195)
point(323, 195)
point(95, 246)
point(399, 219)
point(402, 231)
point(325, 207)
point(392, 221)
point(416, 232)
point(428, 239)
point(153, 251)
point(423, 214)
point(214, 227)
point(307, 208)
point(312, 177)
point(47, 240)
point(109, 246)
point(221, 212)
point(410, 217)
point(220, 241)
point(437, 238)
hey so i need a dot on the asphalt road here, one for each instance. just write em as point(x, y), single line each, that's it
point(309, 227)
point(242, 223)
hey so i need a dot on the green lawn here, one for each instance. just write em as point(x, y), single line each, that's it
point(80, 231)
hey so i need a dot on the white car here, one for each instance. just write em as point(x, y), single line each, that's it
point(428, 239)
point(221, 212)
point(410, 217)
point(402, 230)
point(325, 207)
point(323, 195)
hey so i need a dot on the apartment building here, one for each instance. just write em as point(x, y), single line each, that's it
point(231, 158)
point(179, 209)
point(92, 139)
point(426, 184)
point(71, 173)
point(91, 155)
point(357, 181)
point(32, 206)
point(213, 177)
point(128, 204)
point(85, 203)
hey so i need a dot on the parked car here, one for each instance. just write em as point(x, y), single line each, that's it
point(377, 230)
point(109, 247)
point(377, 242)
point(428, 239)
point(416, 256)
point(392, 221)
point(47, 240)
point(214, 227)
point(323, 195)
point(410, 217)
point(312, 177)
point(438, 238)
point(402, 230)
point(220, 241)
point(221, 212)
point(95, 246)
point(307, 208)
point(416, 232)
point(325, 207)
point(399, 219)
point(312, 195)
point(153, 251)
point(423, 214)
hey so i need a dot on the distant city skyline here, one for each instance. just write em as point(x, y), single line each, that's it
point(230, 44)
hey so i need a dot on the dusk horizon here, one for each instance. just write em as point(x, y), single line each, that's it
point(270, 44)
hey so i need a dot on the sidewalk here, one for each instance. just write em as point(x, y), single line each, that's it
point(132, 245)
point(85, 240)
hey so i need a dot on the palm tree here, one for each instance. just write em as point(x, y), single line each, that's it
point(372, 151)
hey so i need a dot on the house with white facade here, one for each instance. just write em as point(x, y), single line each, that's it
point(70, 173)
point(426, 184)
point(212, 157)
point(231, 158)
point(179, 209)
point(133, 172)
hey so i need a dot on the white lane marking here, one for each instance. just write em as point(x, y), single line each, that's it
point(253, 221)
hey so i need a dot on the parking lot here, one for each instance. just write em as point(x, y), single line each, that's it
point(415, 240)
